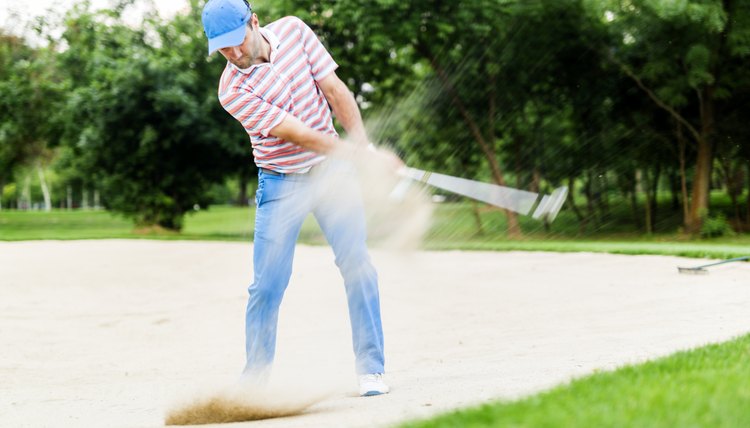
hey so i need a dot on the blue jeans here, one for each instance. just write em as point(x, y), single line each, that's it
point(331, 192)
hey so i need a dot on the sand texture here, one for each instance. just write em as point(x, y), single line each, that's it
point(116, 333)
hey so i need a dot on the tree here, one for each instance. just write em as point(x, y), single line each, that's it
point(12, 51)
point(141, 119)
point(30, 92)
point(678, 54)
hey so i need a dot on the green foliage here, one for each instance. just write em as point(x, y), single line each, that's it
point(30, 91)
point(603, 95)
point(704, 387)
point(142, 122)
point(7, 193)
point(698, 59)
point(716, 226)
point(471, 76)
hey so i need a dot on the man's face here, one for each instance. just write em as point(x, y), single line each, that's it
point(251, 50)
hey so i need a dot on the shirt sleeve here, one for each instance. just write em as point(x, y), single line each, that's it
point(320, 60)
point(257, 116)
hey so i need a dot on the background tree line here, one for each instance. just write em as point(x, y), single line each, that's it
point(626, 102)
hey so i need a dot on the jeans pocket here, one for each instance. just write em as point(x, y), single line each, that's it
point(259, 191)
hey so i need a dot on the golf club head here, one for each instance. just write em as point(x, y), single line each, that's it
point(550, 205)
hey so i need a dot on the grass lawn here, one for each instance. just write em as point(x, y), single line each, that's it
point(60, 224)
point(454, 226)
point(706, 387)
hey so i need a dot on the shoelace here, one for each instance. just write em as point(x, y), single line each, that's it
point(371, 378)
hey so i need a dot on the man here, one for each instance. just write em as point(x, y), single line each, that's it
point(280, 84)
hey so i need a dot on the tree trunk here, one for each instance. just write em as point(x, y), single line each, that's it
point(587, 190)
point(517, 161)
point(574, 207)
point(674, 190)
point(652, 199)
point(604, 192)
point(2, 186)
point(643, 185)
point(645, 188)
point(25, 200)
point(69, 198)
point(733, 176)
point(244, 178)
point(701, 188)
point(683, 176)
point(736, 208)
point(634, 208)
point(734, 192)
point(536, 180)
point(45, 189)
point(702, 180)
point(477, 218)
point(630, 190)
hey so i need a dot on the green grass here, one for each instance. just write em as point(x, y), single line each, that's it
point(219, 223)
point(58, 224)
point(706, 387)
point(454, 227)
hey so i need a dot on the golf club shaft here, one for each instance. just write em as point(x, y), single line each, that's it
point(519, 201)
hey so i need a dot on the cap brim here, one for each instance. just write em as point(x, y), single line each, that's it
point(232, 38)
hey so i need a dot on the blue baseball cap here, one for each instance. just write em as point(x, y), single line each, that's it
point(224, 23)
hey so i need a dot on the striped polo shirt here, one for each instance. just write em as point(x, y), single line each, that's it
point(261, 96)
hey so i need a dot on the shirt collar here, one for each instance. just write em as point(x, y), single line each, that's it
point(273, 40)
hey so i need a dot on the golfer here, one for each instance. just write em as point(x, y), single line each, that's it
point(280, 84)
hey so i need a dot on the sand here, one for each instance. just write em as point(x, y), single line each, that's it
point(114, 333)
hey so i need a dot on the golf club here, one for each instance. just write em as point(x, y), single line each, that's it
point(519, 201)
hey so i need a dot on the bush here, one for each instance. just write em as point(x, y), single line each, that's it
point(8, 195)
point(716, 226)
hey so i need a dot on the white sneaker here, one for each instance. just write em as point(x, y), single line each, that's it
point(372, 384)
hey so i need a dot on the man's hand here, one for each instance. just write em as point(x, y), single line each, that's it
point(386, 158)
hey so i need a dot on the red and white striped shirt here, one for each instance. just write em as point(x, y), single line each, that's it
point(261, 96)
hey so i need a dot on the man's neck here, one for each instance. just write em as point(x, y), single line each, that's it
point(265, 47)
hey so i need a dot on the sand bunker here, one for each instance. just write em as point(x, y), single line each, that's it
point(110, 333)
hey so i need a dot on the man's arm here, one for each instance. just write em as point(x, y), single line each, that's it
point(347, 112)
point(344, 107)
point(294, 130)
